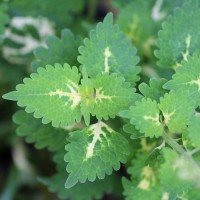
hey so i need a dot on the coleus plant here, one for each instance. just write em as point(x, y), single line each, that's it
point(84, 104)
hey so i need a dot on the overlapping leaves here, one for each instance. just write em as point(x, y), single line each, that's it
point(54, 94)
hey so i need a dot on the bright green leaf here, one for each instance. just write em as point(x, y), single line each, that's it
point(177, 108)
point(108, 50)
point(145, 116)
point(98, 150)
point(112, 95)
point(52, 93)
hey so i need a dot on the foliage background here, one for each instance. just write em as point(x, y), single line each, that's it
point(20, 162)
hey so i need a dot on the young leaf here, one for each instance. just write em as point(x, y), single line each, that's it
point(35, 132)
point(108, 50)
point(187, 77)
point(178, 38)
point(145, 116)
point(64, 50)
point(3, 20)
point(94, 152)
point(154, 90)
point(193, 131)
point(52, 93)
point(177, 108)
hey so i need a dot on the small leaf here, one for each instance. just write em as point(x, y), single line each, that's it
point(108, 50)
point(98, 150)
point(177, 108)
point(145, 116)
point(64, 50)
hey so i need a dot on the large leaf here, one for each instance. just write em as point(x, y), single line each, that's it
point(64, 50)
point(52, 93)
point(179, 36)
point(108, 50)
point(94, 152)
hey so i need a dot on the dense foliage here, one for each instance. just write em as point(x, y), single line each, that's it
point(115, 105)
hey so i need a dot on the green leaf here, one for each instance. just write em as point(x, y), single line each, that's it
point(108, 50)
point(52, 93)
point(3, 20)
point(144, 182)
point(133, 19)
point(112, 95)
point(88, 190)
point(41, 135)
point(129, 128)
point(154, 90)
point(187, 77)
point(94, 152)
point(178, 38)
point(145, 116)
point(177, 108)
point(64, 50)
point(194, 131)
point(168, 172)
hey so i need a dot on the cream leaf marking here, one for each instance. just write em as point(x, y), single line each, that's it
point(100, 96)
point(154, 119)
point(186, 54)
point(148, 178)
point(197, 82)
point(97, 131)
point(156, 14)
point(168, 116)
point(73, 94)
point(107, 55)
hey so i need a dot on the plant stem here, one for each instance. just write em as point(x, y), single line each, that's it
point(171, 142)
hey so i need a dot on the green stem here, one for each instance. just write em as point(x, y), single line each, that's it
point(171, 142)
